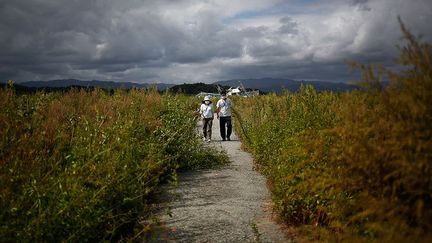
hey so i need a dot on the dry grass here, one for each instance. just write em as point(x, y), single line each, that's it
point(354, 166)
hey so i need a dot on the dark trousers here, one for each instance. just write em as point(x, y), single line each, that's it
point(225, 121)
point(207, 127)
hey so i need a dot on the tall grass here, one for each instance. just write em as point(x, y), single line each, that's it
point(82, 166)
point(353, 166)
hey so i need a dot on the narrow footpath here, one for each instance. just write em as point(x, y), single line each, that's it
point(227, 204)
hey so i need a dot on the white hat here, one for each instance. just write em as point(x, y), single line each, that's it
point(207, 98)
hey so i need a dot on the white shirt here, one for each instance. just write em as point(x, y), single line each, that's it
point(224, 106)
point(206, 111)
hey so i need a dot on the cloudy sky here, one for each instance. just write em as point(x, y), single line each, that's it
point(176, 41)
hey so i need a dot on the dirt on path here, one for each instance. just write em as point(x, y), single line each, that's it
point(227, 204)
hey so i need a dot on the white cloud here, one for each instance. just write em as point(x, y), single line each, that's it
point(188, 40)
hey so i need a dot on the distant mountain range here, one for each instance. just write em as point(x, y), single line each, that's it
point(278, 85)
point(262, 84)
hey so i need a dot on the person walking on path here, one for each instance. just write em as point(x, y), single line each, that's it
point(206, 111)
point(223, 111)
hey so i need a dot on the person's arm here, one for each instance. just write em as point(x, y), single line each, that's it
point(201, 111)
point(217, 109)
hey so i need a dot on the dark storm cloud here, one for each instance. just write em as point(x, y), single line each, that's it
point(324, 72)
point(188, 40)
point(42, 37)
point(105, 35)
point(289, 26)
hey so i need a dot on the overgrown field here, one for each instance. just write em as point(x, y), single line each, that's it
point(82, 166)
point(351, 166)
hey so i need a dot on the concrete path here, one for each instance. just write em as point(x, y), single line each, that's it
point(228, 204)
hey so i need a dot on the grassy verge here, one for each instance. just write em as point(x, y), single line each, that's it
point(82, 166)
point(353, 166)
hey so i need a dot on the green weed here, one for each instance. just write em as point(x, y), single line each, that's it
point(82, 166)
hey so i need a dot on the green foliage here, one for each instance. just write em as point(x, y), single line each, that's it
point(355, 166)
point(193, 89)
point(279, 131)
point(82, 166)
